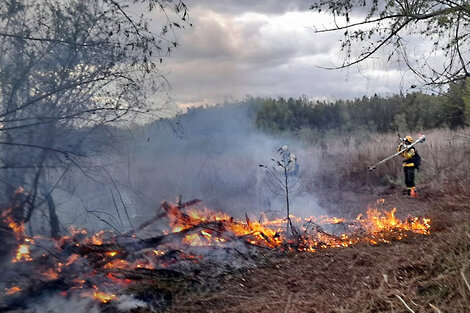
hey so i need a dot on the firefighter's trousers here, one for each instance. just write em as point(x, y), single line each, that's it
point(409, 176)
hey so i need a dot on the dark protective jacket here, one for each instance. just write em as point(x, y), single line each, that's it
point(408, 155)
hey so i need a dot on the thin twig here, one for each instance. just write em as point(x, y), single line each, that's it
point(116, 208)
point(435, 309)
point(53, 40)
point(103, 220)
point(48, 251)
point(286, 310)
point(404, 303)
point(464, 278)
point(65, 152)
point(120, 198)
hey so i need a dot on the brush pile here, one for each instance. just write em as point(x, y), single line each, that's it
point(146, 266)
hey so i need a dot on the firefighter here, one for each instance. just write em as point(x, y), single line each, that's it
point(408, 165)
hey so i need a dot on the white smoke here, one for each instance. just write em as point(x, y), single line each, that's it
point(60, 304)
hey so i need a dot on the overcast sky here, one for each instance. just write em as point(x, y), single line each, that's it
point(267, 48)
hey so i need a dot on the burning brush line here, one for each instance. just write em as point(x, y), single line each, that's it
point(102, 266)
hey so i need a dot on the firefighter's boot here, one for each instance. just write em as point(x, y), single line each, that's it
point(413, 192)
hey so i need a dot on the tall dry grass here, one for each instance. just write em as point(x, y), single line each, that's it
point(342, 163)
point(438, 279)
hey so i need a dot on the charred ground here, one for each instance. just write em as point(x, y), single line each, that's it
point(418, 274)
point(421, 270)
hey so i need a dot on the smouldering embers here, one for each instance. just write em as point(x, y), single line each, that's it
point(101, 265)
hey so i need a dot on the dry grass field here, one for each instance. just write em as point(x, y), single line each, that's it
point(419, 274)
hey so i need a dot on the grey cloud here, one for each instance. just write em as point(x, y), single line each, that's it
point(208, 38)
point(289, 80)
point(303, 78)
point(230, 54)
point(255, 43)
point(259, 6)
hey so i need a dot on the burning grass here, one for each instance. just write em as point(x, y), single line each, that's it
point(198, 242)
point(426, 274)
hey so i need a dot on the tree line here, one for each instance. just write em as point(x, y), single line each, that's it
point(402, 112)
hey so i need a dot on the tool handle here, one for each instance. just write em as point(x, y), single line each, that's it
point(421, 138)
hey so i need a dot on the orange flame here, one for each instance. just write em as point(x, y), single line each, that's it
point(51, 274)
point(17, 228)
point(379, 226)
point(377, 222)
point(117, 264)
point(103, 296)
point(19, 190)
point(216, 229)
point(71, 259)
point(96, 239)
point(22, 254)
point(12, 290)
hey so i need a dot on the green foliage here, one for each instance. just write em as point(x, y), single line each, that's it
point(399, 113)
point(393, 27)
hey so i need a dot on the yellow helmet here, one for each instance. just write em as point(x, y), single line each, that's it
point(409, 139)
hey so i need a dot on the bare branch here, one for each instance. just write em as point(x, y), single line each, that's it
point(52, 40)
point(64, 152)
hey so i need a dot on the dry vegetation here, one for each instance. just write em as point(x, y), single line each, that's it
point(342, 176)
point(357, 279)
point(420, 274)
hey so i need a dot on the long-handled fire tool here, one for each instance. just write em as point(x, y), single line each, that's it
point(421, 138)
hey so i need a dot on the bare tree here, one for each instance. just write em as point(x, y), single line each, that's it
point(66, 69)
point(282, 179)
point(396, 27)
